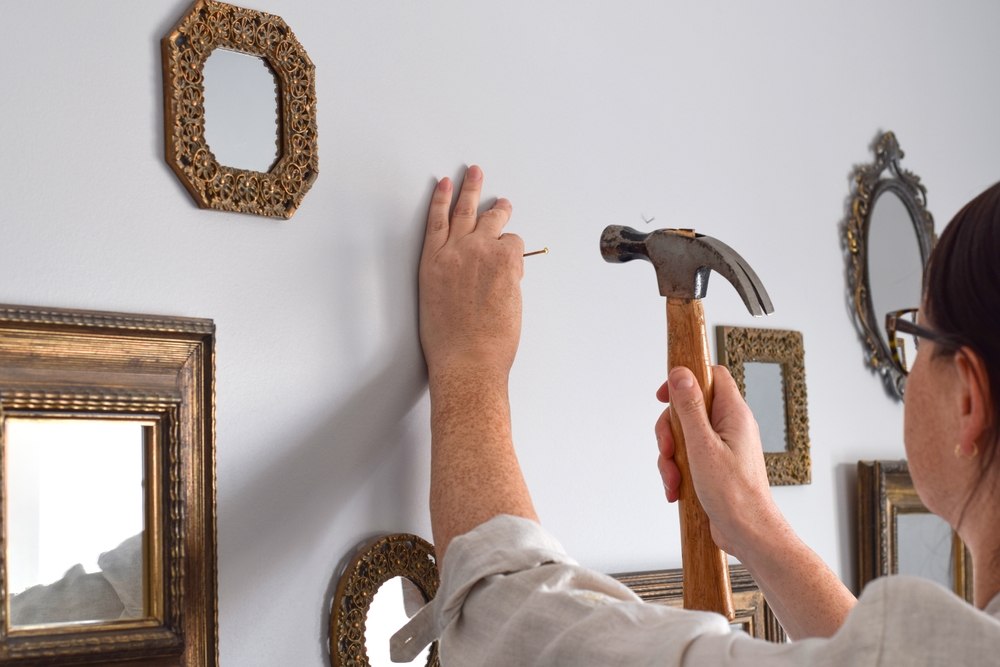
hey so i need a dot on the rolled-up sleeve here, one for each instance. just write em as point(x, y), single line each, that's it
point(510, 595)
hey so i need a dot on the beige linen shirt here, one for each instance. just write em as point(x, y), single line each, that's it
point(510, 596)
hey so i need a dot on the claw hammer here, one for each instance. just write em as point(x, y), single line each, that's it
point(683, 261)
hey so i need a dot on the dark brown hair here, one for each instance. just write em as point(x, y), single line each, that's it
point(962, 293)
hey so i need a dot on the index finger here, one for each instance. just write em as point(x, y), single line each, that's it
point(437, 217)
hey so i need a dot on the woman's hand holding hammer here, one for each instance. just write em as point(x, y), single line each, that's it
point(729, 474)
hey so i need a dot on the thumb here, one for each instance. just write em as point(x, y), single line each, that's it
point(688, 402)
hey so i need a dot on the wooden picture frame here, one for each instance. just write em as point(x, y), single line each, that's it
point(158, 372)
point(739, 345)
point(885, 491)
point(753, 615)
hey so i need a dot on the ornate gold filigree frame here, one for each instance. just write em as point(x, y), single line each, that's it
point(885, 490)
point(209, 25)
point(160, 371)
point(870, 185)
point(738, 345)
point(397, 555)
point(752, 611)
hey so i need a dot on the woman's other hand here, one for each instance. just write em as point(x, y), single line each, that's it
point(470, 273)
point(725, 455)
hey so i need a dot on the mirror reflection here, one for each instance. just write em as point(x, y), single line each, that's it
point(895, 266)
point(241, 110)
point(75, 515)
point(924, 547)
point(395, 602)
point(765, 397)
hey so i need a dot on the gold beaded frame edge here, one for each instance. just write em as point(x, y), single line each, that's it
point(396, 555)
point(206, 26)
point(738, 345)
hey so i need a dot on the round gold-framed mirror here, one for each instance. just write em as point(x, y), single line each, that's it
point(383, 585)
point(889, 237)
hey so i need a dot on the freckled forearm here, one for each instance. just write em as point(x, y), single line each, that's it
point(475, 474)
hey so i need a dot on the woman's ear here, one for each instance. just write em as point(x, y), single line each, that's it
point(975, 412)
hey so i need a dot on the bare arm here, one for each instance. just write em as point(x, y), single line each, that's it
point(727, 467)
point(470, 325)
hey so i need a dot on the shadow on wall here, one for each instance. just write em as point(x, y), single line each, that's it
point(288, 507)
point(845, 482)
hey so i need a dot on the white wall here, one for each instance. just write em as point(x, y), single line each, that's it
point(740, 119)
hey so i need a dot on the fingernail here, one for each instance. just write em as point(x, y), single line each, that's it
point(502, 203)
point(474, 174)
point(681, 380)
point(444, 184)
point(659, 441)
point(666, 488)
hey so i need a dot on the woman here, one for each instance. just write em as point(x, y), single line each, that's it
point(511, 595)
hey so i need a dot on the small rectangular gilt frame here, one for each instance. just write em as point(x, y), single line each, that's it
point(66, 364)
point(738, 345)
point(753, 614)
point(885, 490)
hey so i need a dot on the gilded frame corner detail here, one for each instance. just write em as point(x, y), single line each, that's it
point(396, 555)
point(209, 25)
point(738, 345)
point(869, 184)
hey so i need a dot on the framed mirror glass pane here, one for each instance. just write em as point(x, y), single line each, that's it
point(241, 110)
point(395, 603)
point(75, 519)
point(924, 547)
point(765, 396)
point(895, 266)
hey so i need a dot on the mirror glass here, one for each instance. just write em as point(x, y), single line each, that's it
point(924, 547)
point(241, 110)
point(75, 515)
point(895, 268)
point(765, 395)
point(395, 602)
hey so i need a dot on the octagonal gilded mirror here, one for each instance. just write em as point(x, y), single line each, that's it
point(889, 237)
point(239, 95)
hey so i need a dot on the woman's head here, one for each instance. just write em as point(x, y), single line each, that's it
point(962, 303)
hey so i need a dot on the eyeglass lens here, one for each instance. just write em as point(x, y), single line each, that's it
point(907, 344)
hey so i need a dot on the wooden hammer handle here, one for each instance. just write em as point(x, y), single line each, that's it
point(706, 566)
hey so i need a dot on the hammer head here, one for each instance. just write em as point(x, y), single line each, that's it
point(684, 261)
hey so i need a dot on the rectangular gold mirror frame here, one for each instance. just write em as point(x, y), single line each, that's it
point(738, 345)
point(885, 490)
point(73, 363)
point(752, 611)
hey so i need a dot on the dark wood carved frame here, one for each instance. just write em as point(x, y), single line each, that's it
point(84, 364)
point(871, 182)
point(885, 490)
point(397, 555)
point(209, 25)
point(752, 610)
point(738, 345)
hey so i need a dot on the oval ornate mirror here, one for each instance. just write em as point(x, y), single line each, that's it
point(383, 586)
point(889, 235)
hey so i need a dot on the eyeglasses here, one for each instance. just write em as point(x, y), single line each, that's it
point(903, 332)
